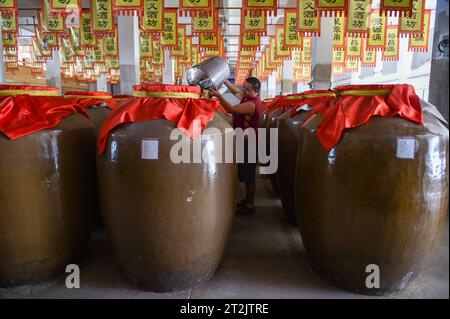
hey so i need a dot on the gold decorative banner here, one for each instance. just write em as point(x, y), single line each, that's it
point(337, 69)
point(413, 23)
point(250, 41)
point(127, 7)
point(377, 31)
point(51, 40)
point(368, 57)
point(152, 20)
point(308, 22)
point(195, 6)
point(65, 5)
point(260, 7)
point(292, 39)
point(113, 62)
point(273, 49)
point(257, 24)
point(169, 36)
point(297, 59)
point(358, 17)
point(352, 66)
point(9, 40)
point(390, 52)
point(353, 48)
point(66, 53)
point(99, 57)
point(281, 52)
point(87, 40)
point(75, 43)
point(419, 42)
point(102, 16)
point(306, 56)
point(339, 32)
point(158, 53)
point(187, 58)
point(145, 46)
point(208, 40)
point(390, 7)
point(338, 56)
point(328, 6)
point(88, 61)
point(8, 5)
point(204, 23)
point(181, 39)
point(51, 21)
point(110, 44)
point(8, 21)
point(307, 72)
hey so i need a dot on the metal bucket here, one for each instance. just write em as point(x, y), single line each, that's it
point(211, 73)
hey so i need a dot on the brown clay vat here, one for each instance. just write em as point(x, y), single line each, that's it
point(361, 205)
point(47, 200)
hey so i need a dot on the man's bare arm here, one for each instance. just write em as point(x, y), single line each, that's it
point(234, 90)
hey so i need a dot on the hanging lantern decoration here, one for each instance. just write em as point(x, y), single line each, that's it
point(358, 12)
point(292, 39)
point(413, 24)
point(419, 42)
point(377, 31)
point(394, 7)
point(327, 7)
point(127, 7)
point(390, 52)
point(308, 22)
point(102, 17)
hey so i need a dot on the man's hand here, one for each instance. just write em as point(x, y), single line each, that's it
point(215, 93)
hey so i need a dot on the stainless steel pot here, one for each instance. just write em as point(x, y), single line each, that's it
point(211, 73)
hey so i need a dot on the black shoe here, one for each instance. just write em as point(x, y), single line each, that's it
point(242, 203)
point(246, 210)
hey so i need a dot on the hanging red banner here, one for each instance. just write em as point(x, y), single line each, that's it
point(419, 42)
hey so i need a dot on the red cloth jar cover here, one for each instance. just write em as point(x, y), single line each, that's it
point(35, 90)
point(89, 99)
point(356, 104)
point(25, 114)
point(176, 103)
point(314, 98)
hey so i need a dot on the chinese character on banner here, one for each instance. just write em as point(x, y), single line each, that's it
point(260, 7)
point(377, 31)
point(327, 6)
point(208, 40)
point(419, 42)
point(413, 24)
point(169, 36)
point(358, 12)
point(127, 7)
point(8, 5)
point(66, 7)
point(255, 24)
point(337, 69)
point(390, 52)
point(8, 21)
point(195, 7)
point(102, 17)
point(308, 23)
point(273, 49)
point(181, 39)
point(306, 57)
point(110, 44)
point(369, 57)
point(353, 48)
point(352, 66)
point(393, 7)
point(281, 52)
point(87, 40)
point(339, 32)
point(51, 21)
point(292, 38)
point(152, 20)
point(9, 40)
point(75, 44)
point(158, 53)
point(250, 41)
point(205, 22)
point(338, 55)
point(145, 46)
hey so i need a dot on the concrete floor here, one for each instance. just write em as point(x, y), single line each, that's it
point(264, 258)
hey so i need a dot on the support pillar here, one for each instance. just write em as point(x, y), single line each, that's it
point(128, 27)
point(322, 55)
point(53, 72)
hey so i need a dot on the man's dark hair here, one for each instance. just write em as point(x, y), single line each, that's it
point(254, 82)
